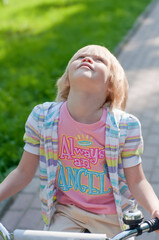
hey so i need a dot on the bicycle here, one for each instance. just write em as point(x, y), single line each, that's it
point(132, 218)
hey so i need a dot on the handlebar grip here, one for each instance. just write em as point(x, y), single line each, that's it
point(153, 224)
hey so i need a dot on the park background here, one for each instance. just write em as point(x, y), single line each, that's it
point(37, 39)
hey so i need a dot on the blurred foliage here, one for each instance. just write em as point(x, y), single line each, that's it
point(37, 38)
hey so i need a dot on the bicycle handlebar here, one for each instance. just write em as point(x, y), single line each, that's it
point(147, 226)
point(153, 224)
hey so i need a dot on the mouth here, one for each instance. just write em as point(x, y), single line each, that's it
point(86, 65)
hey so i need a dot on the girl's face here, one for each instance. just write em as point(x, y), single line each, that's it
point(89, 69)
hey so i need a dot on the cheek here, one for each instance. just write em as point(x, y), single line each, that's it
point(72, 69)
point(104, 74)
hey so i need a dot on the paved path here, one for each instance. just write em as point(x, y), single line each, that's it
point(140, 59)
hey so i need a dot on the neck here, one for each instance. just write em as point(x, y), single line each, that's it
point(85, 108)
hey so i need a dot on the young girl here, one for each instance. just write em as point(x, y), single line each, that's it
point(88, 149)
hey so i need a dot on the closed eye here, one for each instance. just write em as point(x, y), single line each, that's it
point(80, 57)
point(102, 60)
point(99, 60)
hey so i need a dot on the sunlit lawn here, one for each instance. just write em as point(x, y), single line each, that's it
point(37, 38)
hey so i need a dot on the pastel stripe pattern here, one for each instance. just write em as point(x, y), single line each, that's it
point(123, 147)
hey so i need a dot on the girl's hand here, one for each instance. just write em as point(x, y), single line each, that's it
point(155, 214)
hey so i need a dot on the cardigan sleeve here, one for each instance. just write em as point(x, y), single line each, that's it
point(32, 134)
point(133, 146)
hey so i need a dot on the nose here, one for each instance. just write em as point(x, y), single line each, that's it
point(87, 59)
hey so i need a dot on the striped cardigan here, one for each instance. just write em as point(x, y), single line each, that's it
point(123, 147)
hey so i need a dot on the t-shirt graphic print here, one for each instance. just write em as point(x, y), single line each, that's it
point(82, 176)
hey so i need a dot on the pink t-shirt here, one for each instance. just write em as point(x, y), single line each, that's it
point(82, 177)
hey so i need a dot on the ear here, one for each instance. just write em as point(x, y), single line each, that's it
point(109, 85)
point(66, 78)
point(67, 82)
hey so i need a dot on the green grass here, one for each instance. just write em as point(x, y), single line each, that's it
point(37, 38)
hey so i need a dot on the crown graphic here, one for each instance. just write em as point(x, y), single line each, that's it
point(84, 140)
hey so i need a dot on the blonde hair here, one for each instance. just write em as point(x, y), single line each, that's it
point(117, 92)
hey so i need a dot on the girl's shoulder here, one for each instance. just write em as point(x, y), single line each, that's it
point(46, 111)
point(124, 118)
point(47, 107)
